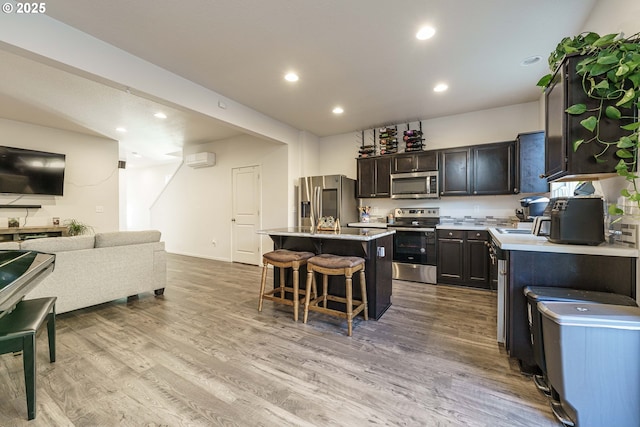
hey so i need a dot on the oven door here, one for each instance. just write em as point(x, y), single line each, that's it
point(414, 246)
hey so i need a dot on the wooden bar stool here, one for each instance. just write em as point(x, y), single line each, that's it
point(333, 265)
point(18, 333)
point(284, 258)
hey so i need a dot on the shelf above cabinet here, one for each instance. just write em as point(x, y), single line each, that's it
point(20, 206)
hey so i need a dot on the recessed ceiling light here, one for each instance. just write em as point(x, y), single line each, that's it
point(121, 129)
point(425, 33)
point(440, 87)
point(338, 110)
point(530, 60)
point(291, 77)
point(160, 115)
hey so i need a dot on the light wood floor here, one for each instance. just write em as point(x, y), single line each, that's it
point(202, 355)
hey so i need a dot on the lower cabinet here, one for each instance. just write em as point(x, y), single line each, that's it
point(463, 258)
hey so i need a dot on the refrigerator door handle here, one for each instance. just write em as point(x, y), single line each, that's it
point(317, 204)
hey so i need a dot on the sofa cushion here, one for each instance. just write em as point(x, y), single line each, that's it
point(9, 246)
point(122, 238)
point(59, 244)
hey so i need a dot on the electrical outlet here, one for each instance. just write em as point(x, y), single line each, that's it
point(214, 243)
point(99, 209)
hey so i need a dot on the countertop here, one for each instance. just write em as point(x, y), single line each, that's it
point(462, 227)
point(368, 224)
point(346, 233)
point(532, 243)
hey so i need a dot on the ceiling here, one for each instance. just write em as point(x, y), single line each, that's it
point(359, 54)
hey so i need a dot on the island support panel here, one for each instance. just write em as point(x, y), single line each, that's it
point(378, 255)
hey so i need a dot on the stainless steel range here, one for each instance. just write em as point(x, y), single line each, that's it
point(414, 244)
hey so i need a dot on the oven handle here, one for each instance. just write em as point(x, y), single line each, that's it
point(412, 229)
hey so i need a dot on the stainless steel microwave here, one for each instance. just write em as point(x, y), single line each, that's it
point(415, 185)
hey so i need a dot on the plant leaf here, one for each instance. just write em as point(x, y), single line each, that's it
point(635, 79)
point(628, 96)
point(621, 167)
point(576, 144)
point(544, 81)
point(599, 69)
point(625, 142)
point(591, 38)
point(604, 84)
point(631, 126)
point(589, 123)
point(576, 109)
point(622, 70)
point(612, 112)
point(625, 192)
point(604, 40)
point(624, 154)
point(608, 59)
point(615, 210)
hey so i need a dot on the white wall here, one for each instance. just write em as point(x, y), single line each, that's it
point(338, 154)
point(91, 177)
point(195, 208)
point(143, 187)
point(614, 16)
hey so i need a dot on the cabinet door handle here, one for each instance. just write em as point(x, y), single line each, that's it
point(450, 233)
point(477, 234)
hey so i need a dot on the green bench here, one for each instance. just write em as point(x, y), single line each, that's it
point(18, 333)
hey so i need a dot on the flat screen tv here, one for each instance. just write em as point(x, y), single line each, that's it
point(31, 172)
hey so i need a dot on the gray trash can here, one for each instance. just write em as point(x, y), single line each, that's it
point(592, 353)
point(536, 294)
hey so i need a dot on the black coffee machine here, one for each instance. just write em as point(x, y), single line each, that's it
point(576, 220)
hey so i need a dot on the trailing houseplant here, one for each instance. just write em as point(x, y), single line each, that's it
point(610, 74)
point(76, 228)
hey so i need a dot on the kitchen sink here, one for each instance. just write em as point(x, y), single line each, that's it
point(513, 231)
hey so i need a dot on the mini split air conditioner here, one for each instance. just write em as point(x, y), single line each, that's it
point(201, 160)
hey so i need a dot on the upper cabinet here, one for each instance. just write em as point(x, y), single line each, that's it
point(478, 170)
point(494, 168)
point(562, 129)
point(420, 161)
point(531, 160)
point(373, 177)
point(455, 172)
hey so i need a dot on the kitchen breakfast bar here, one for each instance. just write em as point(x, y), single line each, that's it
point(374, 245)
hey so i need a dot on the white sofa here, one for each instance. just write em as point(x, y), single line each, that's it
point(95, 269)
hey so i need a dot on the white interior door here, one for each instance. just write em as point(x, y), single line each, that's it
point(246, 215)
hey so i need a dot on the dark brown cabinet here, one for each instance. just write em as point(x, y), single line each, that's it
point(562, 129)
point(477, 263)
point(455, 172)
point(530, 157)
point(479, 170)
point(373, 177)
point(450, 256)
point(421, 161)
point(494, 168)
point(463, 258)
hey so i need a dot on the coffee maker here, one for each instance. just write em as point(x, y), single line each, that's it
point(577, 220)
point(532, 206)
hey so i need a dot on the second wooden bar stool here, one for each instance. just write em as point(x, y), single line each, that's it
point(334, 265)
point(283, 258)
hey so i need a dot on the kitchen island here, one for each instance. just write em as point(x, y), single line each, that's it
point(374, 245)
point(529, 260)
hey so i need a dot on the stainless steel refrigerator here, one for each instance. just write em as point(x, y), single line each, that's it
point(329, 195)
